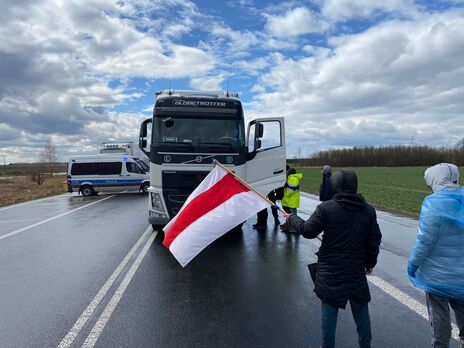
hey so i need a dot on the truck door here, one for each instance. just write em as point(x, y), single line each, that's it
point(266, 154)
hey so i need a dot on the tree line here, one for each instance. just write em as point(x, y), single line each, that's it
point(385, 156)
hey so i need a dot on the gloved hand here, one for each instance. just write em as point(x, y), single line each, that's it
point(412, 269)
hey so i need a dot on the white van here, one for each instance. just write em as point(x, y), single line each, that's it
point(107, 173)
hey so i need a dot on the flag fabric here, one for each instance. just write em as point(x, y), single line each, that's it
point(216, 206)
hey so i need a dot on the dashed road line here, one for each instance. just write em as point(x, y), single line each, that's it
point(106, 315)
point(52, 218)
point(80, 323)
point(407, 301)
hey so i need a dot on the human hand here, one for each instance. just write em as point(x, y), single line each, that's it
point(286, 216)
point(369, 271)
point(412, 269)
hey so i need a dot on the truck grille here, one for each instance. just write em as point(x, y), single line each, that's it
point(177, 186)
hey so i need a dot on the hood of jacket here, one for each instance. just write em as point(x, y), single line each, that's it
point(344, 181)
point(350, 201)
point(442, 176)
point(344, 185)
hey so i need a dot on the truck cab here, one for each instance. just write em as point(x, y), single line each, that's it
point(191, 129)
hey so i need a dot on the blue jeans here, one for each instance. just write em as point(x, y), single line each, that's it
point(329, 325)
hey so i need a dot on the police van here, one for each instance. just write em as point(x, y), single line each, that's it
point(91, 174)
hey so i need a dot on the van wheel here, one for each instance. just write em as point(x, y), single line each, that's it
point(87, 191)
point(144, 187)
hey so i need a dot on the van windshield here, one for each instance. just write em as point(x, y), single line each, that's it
point(142, 164)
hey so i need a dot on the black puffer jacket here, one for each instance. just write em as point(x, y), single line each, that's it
point(350, 243)
point(324, 189)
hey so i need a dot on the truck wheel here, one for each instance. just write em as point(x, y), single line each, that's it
point(87, 191)
point(144, 188)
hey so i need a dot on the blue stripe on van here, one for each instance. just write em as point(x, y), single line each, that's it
point(107, 181)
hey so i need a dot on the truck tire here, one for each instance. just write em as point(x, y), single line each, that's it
point(87, 191)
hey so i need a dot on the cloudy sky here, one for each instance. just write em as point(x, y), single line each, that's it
point(342, 72)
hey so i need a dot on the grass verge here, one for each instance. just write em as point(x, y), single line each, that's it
point(400, 189)
point(19, 188)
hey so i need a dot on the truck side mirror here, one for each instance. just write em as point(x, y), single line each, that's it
point(143, 131)
point(260, 130)
point(143, 135)
point(257, 144)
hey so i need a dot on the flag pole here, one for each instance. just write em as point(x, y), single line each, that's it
point(216, 162)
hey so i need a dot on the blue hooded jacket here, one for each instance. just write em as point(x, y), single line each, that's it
point(438, 252)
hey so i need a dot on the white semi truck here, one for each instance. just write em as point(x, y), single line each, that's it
point(191, 129)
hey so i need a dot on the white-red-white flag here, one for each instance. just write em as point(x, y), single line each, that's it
point(217, 205)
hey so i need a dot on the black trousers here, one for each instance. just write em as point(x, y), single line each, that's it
point(273, 196)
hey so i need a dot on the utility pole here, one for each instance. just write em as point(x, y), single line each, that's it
point(412, 140)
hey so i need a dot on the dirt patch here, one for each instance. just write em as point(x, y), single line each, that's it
point(16, 189)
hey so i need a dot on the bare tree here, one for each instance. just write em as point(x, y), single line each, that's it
point(49, 157)
point(460, 144)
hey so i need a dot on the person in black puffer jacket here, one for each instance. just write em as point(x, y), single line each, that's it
point(348, 252)
point(324, 190)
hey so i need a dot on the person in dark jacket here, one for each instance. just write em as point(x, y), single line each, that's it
point(261, 216)
point(348, 252)
point(324, 190)
point(261, 221)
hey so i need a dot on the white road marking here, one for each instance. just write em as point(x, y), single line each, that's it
point(105, 316)
point(29, 202)
point(52, 218)
point(77, 327)
point(407, 301)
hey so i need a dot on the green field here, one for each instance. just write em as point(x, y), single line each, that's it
point(399, 188)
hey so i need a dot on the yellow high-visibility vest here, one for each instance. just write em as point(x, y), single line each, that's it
point(292, 191)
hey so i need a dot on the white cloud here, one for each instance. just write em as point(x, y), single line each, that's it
point(254, 66)
point(58, 57)
point(148, 58)
point(382, 86)
point(295, 22)
point(208, 83)
point(236, 40)
point(338, 10)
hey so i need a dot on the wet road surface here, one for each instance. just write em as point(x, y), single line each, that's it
point(92, 275)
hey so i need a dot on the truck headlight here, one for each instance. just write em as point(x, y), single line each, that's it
point(157, 202)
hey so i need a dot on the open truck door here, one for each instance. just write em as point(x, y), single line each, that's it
point(266, 154)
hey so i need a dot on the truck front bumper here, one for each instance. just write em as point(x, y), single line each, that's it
point(157, 221)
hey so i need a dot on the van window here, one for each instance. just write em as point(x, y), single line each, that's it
point(132, 167)
point(103, 168)
point(84, 169)
point(108, 168)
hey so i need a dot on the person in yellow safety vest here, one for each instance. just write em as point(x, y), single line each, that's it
point(291, 200)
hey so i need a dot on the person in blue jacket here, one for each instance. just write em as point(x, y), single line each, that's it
point(436, 264)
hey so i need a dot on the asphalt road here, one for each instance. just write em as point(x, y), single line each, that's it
point(89, 272)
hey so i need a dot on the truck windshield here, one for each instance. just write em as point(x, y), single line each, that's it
point(229, 133)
